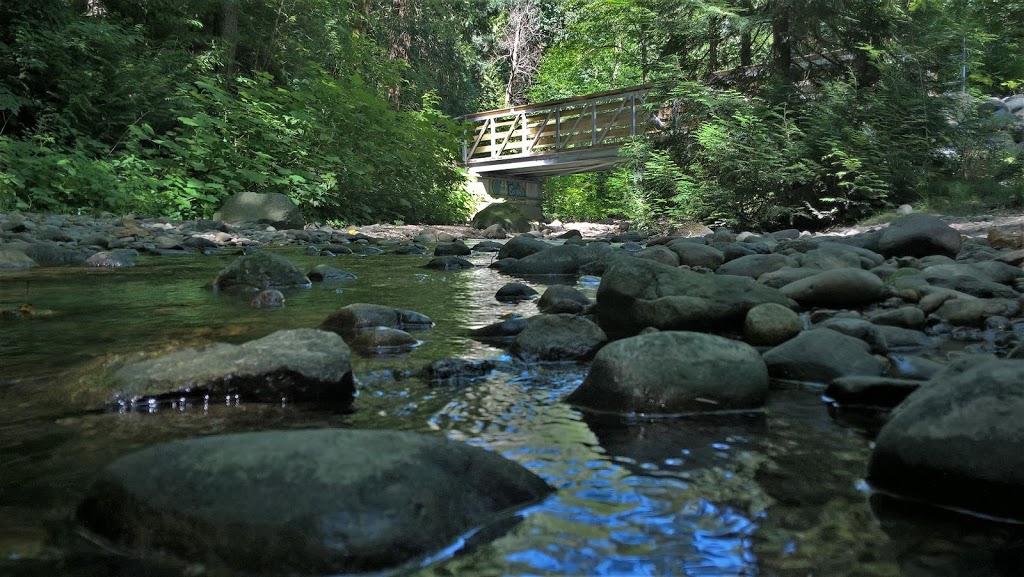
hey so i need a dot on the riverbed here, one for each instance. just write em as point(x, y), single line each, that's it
point(778, 492)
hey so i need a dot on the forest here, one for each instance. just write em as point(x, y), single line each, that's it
point(796, 112)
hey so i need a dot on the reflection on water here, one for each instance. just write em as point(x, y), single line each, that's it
point(773, 493)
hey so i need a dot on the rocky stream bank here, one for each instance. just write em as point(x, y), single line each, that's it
point(921, 317)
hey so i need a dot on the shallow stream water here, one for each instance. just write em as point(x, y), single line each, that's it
point(778, 492)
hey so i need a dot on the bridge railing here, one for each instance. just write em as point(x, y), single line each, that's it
point(605, 119)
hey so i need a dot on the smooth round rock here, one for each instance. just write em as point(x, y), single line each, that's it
point(303, 502)
point(515, 291)
point(770, 324)
point(674, 372)
point(559, 337)
point(839, 287)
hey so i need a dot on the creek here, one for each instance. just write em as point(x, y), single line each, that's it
point(778, 492)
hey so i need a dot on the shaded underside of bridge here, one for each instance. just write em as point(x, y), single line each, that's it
point(566, 136)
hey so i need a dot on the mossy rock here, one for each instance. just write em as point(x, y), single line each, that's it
point(511, 217)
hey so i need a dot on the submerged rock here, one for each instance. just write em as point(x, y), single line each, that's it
point(303, 502)
point(357, 316)
point(381, 341)
point(674, 372)
point(272, 299)
point(957, 442)
point(458, 372)
point(298, 365)
point(325, 273)
point(449, 263)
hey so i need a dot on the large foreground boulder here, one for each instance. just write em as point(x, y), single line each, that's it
point(637, 293)
point(303, 502)
point(272, 208)
point(298, 365)
point(674, 372)
point(957, 442)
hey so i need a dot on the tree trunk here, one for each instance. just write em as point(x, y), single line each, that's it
point(713, 41)
point(229, 34)
point(782, 44)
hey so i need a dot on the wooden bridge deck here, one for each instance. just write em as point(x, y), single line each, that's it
point(567, 136)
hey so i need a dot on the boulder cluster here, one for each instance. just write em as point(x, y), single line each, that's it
point(911, 317)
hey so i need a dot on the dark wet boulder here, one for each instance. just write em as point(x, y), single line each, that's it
point(674, 372)
point(487, 246)
point(305, 502)
point(560, 298)
point(199, 242)
point(299, 365)
point(328, 274)
point(514, 292)
point(261, 270)
point(357, 316)
point(820, 355)
point(449, 263)
point(457, 372)
point(957, 442)
point(381, 341)
point(558, 338)
point(273, 208)
point(501, 330)
point(555, 260)
point(837, 287)
point(457, 248)
point(637, 293)
point(521, 247)
point(121, 258)
point(918, 235)
point(870, 391)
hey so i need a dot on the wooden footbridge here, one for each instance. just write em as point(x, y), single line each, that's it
point(567, 136)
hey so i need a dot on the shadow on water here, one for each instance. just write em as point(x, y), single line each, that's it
point(775, 493)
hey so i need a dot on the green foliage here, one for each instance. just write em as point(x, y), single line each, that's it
point(155, 108)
